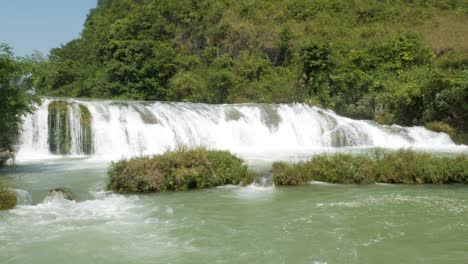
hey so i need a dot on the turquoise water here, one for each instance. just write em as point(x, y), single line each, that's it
point(320, 223)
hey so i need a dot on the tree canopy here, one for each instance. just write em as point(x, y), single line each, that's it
point(15, 100)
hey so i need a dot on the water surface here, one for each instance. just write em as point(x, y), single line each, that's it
point(319, 223)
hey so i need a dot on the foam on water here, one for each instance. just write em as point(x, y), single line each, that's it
point(56, 209)
point(22, 197)
point(450, 205)
point(257, 131)
point(125, 221)
point(321, 183)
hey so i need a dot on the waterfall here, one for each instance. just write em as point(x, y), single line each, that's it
point(115, 129)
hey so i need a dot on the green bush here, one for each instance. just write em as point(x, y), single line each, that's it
point(7, 198)
point(178, 170)
point(15, 101)
point(458, 135)
point(438, 126)
point(400, 167)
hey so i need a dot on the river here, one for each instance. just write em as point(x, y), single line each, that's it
point(318, 223)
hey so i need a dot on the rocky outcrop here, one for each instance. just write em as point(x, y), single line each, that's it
point(61, 193)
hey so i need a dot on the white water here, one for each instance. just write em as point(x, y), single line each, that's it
point(123, 129)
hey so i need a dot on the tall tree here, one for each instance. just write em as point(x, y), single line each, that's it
point(16, 98)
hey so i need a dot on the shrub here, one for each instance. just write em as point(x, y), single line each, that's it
point(439, 126)
point(400, 167)
point(7, 198)
point(178, 170)
point(458, 135)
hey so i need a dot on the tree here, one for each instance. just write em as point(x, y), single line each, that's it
point(15, 100)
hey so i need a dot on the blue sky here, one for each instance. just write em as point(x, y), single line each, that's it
point(29, 25)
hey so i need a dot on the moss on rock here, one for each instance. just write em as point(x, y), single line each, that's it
point(270, 116)
point(7, 198)
point(178, 170)
point(86, 130)
point(232, 114)
point(59, 132)
point(146, 116)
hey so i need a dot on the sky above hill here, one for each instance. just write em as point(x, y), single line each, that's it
point(28, 25)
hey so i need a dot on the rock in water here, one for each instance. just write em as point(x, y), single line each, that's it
point(61, 193)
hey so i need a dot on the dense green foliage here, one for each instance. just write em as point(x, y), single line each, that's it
point(15, 100)
point(60, 134)
point(397, 61)
point(178, 170)
point(403, 166)
point(7, 198)
point(59, 138)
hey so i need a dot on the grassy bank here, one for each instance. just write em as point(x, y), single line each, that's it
point(401, 167)
point(7, 198)
point(178, 170)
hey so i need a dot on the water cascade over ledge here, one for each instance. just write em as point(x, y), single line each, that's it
point(115, 129)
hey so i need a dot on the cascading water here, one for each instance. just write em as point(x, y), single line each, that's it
point(115, 129)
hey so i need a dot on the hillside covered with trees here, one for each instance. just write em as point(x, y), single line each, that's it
point(394, 61)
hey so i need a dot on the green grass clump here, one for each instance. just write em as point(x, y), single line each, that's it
point(178, 170)
point(7, 198)
point(400, 167)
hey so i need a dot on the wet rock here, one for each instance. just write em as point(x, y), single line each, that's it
point(63, 193)
point(7, 198)
point(270, 116)
point(232, 114)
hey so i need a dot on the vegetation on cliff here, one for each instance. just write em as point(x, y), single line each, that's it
point(400, 167)
point(395, 61)
point(178, 170)
point(60, 134)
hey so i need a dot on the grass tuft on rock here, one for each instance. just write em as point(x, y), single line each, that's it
point(7, 198)
point(178, 170)
point(400, 167)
